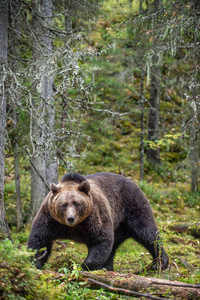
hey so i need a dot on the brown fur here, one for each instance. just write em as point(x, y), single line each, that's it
point(68, 192)
point(101, 210)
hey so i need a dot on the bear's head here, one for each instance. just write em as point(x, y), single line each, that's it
point(69, 202)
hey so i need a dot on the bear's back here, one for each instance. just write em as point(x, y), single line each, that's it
point(114, 186)
point(122, 194)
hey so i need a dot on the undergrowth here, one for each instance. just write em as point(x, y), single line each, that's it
point(19, 279)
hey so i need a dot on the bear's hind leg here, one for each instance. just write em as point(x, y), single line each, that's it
point(147, 235)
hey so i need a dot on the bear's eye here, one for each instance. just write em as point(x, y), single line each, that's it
point(65, 205)
point(76, 203)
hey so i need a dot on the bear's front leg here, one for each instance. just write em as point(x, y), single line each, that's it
point(41, 242)
point(41, 238)
point(98, 254)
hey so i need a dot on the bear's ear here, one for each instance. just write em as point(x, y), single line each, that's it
point(84, 187)
point(54, 188)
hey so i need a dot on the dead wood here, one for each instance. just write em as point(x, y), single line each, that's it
point(191, 228)
point(133, 284)
point(122, 291)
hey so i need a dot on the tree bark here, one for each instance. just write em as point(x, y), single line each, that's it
point(142, 128)
point(51, 153)
point(44, 163)
point(141, 10)
point(153, 119)
point(157, 4)
point(195, 139)
point(13, 43)
point(4, 229)
point(138, 285)
point(17, 174)
point(194, 158)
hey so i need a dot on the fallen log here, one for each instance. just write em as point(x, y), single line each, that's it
point(123, 291)
point(191, 228)
point(137, 286)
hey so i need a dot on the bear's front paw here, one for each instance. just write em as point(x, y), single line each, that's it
point(85, 267)
point(38, 264)
point(90, 266)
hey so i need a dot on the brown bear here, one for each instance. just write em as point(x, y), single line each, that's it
point(101, 210)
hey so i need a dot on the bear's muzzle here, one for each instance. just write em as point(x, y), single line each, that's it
point(70, 219)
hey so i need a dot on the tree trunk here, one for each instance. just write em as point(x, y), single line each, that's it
point(4, 229)
point(68, 19)
point(142, 128)
point(194, 158)
point(153, 120)
point(51, 153)
point(141, 10)
point(157, 4)
point(13, 44)
point(17, 174)
point(44, 162)
point(195, 138)
point(51, 159)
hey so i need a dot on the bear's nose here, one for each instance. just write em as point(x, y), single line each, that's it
point(70, 219)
